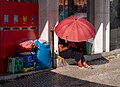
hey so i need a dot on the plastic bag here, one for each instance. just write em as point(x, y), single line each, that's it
point(44, 59)
point(26, 46)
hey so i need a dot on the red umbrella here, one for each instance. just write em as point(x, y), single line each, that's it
point(75, 29)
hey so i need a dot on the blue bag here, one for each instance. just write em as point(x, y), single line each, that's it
point(44, 59)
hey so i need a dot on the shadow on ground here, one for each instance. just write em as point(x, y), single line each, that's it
point(98, 61)
point(50, 79)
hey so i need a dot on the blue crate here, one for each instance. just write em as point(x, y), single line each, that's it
point(29, 59)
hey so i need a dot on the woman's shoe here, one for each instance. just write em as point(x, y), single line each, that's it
point(87, 66)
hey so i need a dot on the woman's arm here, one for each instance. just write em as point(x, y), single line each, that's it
point(62, 48)
point(72, 45)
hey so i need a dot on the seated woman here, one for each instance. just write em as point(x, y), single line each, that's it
point(70, 50)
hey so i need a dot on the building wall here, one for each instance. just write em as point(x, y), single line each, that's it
point(15, 27)
point(48, 18)
point(102, 24)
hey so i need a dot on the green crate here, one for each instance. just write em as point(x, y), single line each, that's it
point(15, 65)
point(88, 47)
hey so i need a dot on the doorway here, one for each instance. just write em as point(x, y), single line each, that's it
point(114, 24)
point(72, 7)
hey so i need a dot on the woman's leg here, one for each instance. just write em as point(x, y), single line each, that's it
point(66, 54)
point(80, 64)
point(80, 59)
point(86, 65)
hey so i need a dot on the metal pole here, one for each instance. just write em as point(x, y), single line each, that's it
point(53, 56)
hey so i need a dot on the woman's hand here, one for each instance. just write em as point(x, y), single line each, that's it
point(62, 48)
point(72, 44)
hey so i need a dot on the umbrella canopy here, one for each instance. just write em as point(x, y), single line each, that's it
point(75, 29)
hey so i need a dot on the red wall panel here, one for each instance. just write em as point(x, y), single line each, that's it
point(21, 9)
point(9, 44)
point(9, 39)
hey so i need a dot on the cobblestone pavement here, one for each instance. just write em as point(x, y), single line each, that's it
point(106, 73)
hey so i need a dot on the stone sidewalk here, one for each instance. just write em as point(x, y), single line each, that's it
point(106, 73)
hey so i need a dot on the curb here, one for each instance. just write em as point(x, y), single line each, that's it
point(111, 54)
point(17, 75)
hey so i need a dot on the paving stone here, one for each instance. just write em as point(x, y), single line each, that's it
point(106, 73)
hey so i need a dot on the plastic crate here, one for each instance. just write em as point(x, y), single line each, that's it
point(88, 47)
point(29, 59)
point(15, 65)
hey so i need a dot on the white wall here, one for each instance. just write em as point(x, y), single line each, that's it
point(43, 20)
point(48, 18)
point(102, 24)
point(53, 20)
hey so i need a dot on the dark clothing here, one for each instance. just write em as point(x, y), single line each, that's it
point(71, 52)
